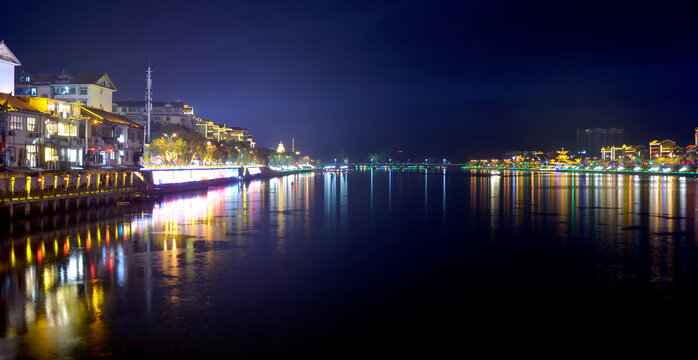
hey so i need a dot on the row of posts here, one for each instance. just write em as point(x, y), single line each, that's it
point(45, 191)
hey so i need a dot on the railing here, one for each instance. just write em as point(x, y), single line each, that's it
point(15, 189)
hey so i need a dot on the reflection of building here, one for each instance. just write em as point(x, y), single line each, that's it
point(8, 61)
point(280, 149)
point(619, 152)
point(89, 89)
point(590, 141)
point(165, 112)
point(664, 148)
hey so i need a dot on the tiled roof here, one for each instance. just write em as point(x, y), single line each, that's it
point(66, 78)
point(15, 103)
point(100, 115)
point(173, 104)
point(7, 55)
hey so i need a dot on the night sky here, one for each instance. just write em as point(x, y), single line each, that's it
point(455, 79)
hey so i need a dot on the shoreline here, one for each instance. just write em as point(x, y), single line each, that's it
point(586, 171)
point(27, 195)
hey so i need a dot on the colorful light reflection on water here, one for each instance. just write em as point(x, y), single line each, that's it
point(63, 287)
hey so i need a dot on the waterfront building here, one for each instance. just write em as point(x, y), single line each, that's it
point(620, 152)
point(62, 134)
point(8, 61)
point(220, 132)
point(664, 148)
point(50, 134)
point(590, 141)
point(22, 129)
point(91, 89)
point(113, 139)
point(164, 112)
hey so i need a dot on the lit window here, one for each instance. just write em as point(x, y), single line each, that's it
point(65, 90)
point(16, 122)
point(32, 155)
point(32, 124)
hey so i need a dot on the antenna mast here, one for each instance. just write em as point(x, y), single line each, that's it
point(148, 97)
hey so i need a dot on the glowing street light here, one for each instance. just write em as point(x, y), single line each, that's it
point(169, 138)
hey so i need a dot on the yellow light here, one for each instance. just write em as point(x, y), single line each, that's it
point(29, 251)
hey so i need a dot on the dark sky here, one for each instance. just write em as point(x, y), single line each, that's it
point(456, 79)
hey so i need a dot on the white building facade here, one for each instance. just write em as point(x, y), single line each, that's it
point(8, 61)
point(91, 89)
point(164, 112)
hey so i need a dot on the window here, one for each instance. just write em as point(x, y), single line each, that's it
point(32, 155)
point(50, 154)
point(167, 118)
point(83, 90)
point(65, 90)
point(16, 122)
point(32, 124)
point(25, 92)
point(51, 128)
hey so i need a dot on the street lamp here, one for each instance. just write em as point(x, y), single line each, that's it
point(169, 138)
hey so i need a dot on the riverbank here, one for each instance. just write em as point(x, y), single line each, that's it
point(29, 193)
point(597, 171)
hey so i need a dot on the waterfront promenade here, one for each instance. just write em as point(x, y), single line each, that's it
point(23, 193)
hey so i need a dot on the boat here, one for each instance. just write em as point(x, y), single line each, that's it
point(494, 172)
point(547, 168)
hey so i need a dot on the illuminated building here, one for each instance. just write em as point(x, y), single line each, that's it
point(590, 141)
point(8, 61)
point(94, 89)
point(62, 134)
point(220, 132)
point(52, 134)
point(696, 137)
point(280, 149)
point(619, 152)
point(564, 159)
point(21, 126)
point(164, 112)
point(664, 148)
point(112, 139)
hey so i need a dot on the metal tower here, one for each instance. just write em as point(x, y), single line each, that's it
point(148, 99)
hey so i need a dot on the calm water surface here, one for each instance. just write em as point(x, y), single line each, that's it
point(360, 263)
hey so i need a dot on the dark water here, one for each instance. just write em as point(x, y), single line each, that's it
point(365, 264)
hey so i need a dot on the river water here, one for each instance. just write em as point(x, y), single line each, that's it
point(364, 263)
